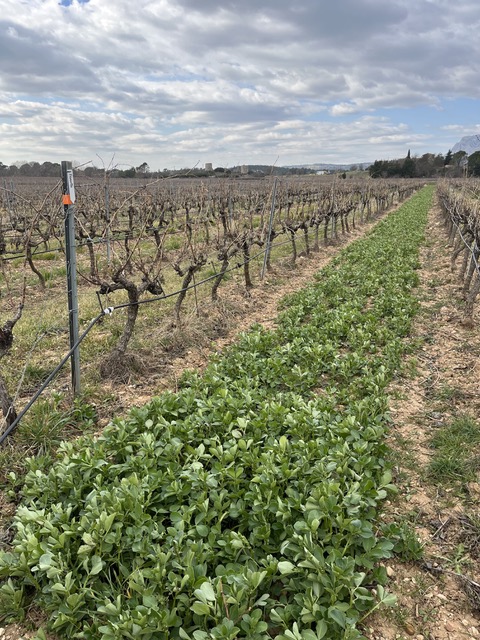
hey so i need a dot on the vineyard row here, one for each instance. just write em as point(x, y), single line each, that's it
point(460, 204)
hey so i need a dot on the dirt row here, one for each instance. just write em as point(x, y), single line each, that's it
point(438, 595)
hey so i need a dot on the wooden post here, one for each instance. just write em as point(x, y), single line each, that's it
point(269, 233)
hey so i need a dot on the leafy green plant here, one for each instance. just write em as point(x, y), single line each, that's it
point(12, 602)
point(407, 546)
point(245, 505)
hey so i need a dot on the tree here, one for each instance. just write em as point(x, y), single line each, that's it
point(51, 169)
point(474, 164)
point(458, 158)
point(377, 169)
point(408, 167)
point(448, 158)
point(143, 169)
point(127, 173)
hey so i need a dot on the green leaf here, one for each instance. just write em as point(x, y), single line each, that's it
point(202, 530)
point(107, 523)
point(285, 567)
point(386, 478)
point(390, 600)
point(338, 616)
point(322, 629)
point(200, 608)
point(208, 592)
point(97, 565)
point(150, 601)
point(45, 561)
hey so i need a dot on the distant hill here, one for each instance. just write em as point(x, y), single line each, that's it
point(323, 166)
point(262, 169)
point(469, 144)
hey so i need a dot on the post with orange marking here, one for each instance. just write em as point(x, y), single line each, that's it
point(71, 257)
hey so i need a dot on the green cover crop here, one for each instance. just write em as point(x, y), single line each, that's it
point(243, 506)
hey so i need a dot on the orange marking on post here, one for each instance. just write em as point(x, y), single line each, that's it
point(67, 199)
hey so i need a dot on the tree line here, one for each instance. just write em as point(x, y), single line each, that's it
point(429, 165)
point(31, 169)
point(53, 170)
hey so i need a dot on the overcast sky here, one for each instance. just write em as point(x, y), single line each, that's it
point(179, 82)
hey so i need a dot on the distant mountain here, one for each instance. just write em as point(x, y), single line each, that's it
point(469, 144)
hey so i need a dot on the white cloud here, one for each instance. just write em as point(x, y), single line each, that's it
point(343, 108)
point(172, 79)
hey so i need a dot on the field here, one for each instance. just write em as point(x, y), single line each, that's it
point(269, 508)
point(174, 260)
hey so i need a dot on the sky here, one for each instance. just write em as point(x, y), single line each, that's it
point(179, 83)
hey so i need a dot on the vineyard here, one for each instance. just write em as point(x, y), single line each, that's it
point(142, 252)
point(460, 204)
point(250, 501)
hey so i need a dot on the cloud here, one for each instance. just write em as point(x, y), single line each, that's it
point(166, 79)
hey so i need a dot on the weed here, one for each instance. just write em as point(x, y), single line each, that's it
point(447, 394)
point(456, 457)
point(51, 277)
point(409, 368)
point(434, 283)
point(448, 468)
point(462, 431)
point(173, 242)
point(46, 257)
point(12, 459)
point(49, 422)
point(470, 533)
point(34, 375)
point(459, 559)
point(409, 459)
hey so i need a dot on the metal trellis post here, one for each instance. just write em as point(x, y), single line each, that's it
point(69, 219)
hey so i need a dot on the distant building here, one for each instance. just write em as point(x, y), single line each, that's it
point(208, 166)
point(244, 169)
